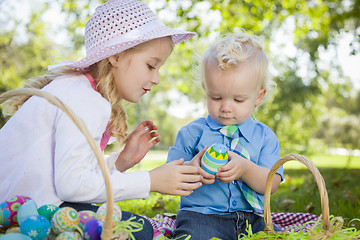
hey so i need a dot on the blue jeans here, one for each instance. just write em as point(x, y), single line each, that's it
point(226, 227)
point(146, 233)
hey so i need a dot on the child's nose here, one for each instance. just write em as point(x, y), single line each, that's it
point(156, 79)
point(225, 106)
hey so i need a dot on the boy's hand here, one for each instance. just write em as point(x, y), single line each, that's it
point(233, 170)
point(140, 140)
point(196, 162)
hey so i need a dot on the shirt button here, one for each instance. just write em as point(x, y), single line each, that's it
point(234, 203)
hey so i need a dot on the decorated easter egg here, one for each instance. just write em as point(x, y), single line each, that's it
point(26, 210)
point(48, 211)
point(117, 214)
point(36, 227)
point(65, 219)
point(52, 235)
point(93, 229)
point(13, 230)
point(214, 157)
point(158, 235)
point(85, 216)
point(69, 236)
point(14, 236)
point(9, 209)
point(166, 231)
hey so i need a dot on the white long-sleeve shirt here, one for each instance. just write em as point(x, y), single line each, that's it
point(43, 155)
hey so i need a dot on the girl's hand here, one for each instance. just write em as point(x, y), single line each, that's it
point(139, 143)
point(196, 162)
point(234, 169)
point(175, 178)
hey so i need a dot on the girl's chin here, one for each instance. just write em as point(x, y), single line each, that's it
point(132, 100)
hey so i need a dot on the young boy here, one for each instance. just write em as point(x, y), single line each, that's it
point(234, 77)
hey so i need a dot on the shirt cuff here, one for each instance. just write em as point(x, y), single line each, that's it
point(132, 185)
point(111, 159)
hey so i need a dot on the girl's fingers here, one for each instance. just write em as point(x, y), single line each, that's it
point(149, 124)
point(153, 134)
point(183, 193)
point(191, 178)
point(187, 169)
point(146, 123)
point(189, 187)
point(154, 141)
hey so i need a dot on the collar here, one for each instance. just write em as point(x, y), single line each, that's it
point(246, 128)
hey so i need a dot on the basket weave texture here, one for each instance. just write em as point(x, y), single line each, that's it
point(328, 228)
point(107, 230)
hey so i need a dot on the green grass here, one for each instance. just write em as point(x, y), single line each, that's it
point(298, 193)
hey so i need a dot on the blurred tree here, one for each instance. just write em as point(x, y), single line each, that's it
point(293, 111)
point(340, 126)
point(24, 56)
point(312, 27)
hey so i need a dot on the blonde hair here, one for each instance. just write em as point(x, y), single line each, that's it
point(232, 49)
point(105, 84)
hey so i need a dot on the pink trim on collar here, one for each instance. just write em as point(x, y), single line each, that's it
point(91, 80)
point(106, 136)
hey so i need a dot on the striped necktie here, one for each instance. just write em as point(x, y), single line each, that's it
point(253, 198)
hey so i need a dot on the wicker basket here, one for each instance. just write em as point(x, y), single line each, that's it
point(327, 228)
point(107, 230)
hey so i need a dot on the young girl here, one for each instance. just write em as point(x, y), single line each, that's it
point(43, 154)
point(234, 77)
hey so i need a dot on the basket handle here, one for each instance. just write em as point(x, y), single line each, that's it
point(320, 183)
point(107, 230)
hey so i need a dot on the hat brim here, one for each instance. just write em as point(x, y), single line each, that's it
point(178, 36)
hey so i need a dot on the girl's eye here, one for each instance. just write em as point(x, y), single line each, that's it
point(239, 100)
point(151, 67)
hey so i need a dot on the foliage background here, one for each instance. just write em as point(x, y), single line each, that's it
point(314, 108)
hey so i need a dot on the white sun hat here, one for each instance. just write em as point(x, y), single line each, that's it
point(118, 25)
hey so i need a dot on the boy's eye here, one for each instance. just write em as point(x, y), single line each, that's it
point(151, 67)
point(216, 98)
point(239, 100)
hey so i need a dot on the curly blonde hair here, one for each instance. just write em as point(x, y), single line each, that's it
point(105, 84)
point(232, 49)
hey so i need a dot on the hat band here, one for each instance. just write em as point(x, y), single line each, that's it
point(137, 34)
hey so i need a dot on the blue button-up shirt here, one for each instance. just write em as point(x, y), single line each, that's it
point(222, 198)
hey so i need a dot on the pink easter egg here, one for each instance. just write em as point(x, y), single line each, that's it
point(158, 235)
point(166, 231)
point(9, 210)
point(85, 216)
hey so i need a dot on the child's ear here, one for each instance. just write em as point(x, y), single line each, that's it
point(260, 96)
point(113, 60)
